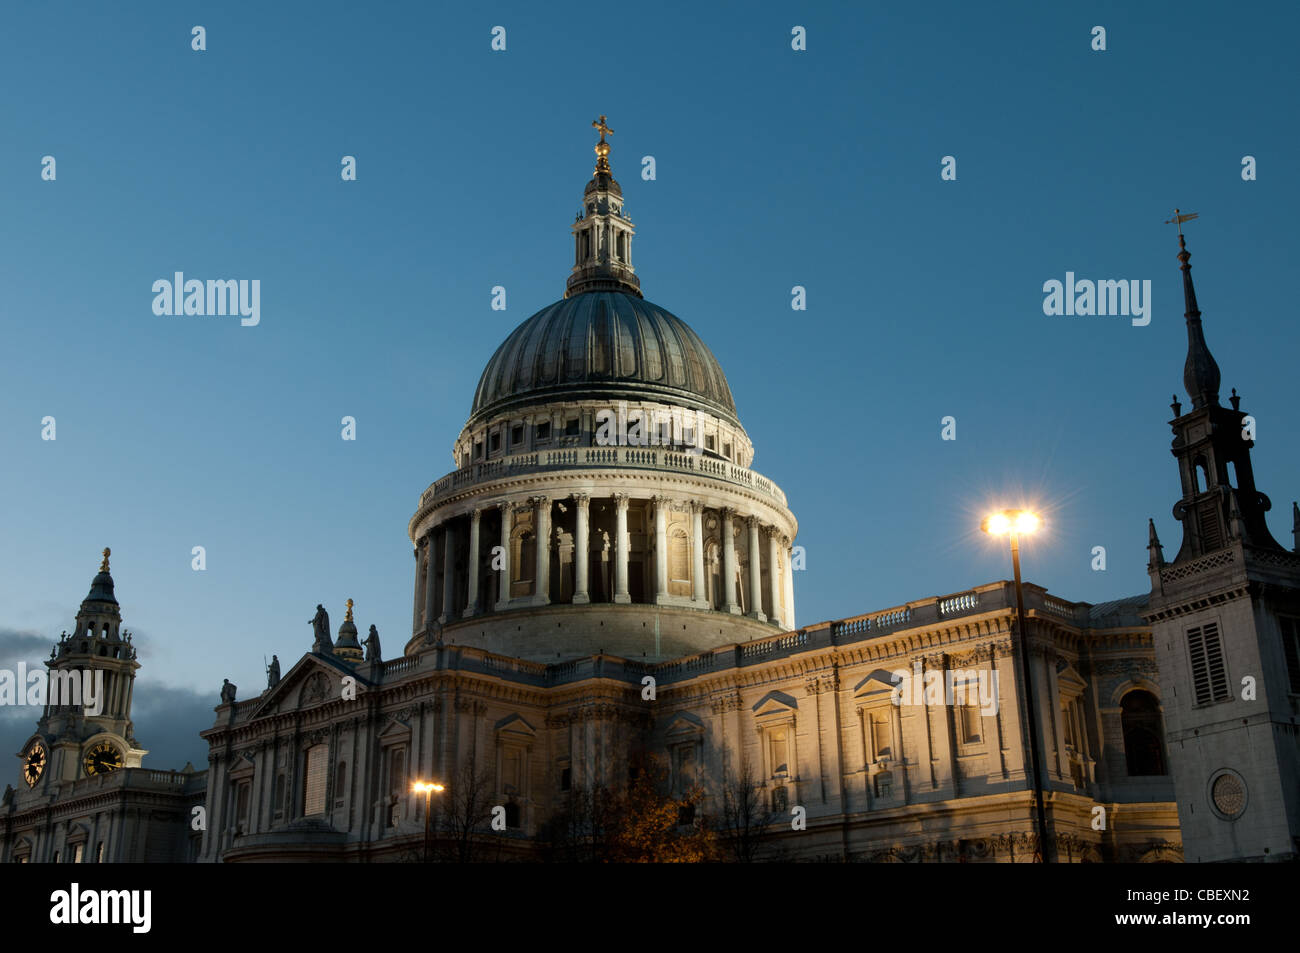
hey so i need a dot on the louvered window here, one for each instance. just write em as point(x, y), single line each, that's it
point(1291, 648)
point(317, 767)
point(1209, 671)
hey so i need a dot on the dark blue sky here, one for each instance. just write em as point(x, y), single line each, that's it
point(775, 168)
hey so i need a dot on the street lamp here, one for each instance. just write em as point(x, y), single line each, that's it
point(426, 788)
point(1013, 523)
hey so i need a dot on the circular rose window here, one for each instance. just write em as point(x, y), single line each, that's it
point(1228, 795)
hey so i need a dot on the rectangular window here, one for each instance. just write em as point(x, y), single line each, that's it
point(571, 427)
point(511, 770)
point(478, 449)
point(241, 804)
point(494, 442)
point(516, 435)
point(971, 725)
point(884, 784)
point(726, 450)
point(77, 853)
point(1209, 670)
point(544, 431)
point(99, 852)
point(709, 442)
point(317, 767)
point(881, 742)
point(778, 748)
point(1291, 649)
point(566, 779)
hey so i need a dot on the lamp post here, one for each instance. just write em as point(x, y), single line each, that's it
point(427, 788)
point(1012, 523)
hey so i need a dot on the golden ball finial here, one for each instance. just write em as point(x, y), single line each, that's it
point(103, 567)
point(349, 618)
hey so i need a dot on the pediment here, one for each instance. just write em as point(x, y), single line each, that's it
point(312, 681)
point(516, 725)
point(395, 730)
point(878, 683)
point(242, 769)
point(775, 703)
point(684, 724)
point(1071, 681)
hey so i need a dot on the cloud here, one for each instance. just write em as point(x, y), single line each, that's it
point(167, 719)
point(30, 647)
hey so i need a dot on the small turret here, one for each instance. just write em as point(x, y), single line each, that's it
point(347, 647)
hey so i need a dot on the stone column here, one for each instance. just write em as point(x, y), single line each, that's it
point(755, 572)
point(697, 553)
point(448, 573)
point(582, 550)
point(621, 550)
point(774, 577)
point(503, 590)
point(430, 575)
point(415, 613)
point(788, 618)
point(661, 549)
point(471, 564)
point(729, 563)
point(542, 585)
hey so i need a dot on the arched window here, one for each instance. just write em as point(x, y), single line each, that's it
point(1144, 734)
point(1200, 475)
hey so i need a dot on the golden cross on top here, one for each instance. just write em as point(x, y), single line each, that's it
point(349, 618)
point(103, 567)
point(604, 129)
point(1179, 218)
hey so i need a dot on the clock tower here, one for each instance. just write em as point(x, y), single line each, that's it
point(1225, 618)
point(86, 728)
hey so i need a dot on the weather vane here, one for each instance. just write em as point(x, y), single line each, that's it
point(1179, 218)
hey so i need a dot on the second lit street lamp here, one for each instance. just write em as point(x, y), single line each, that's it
point(426, 788)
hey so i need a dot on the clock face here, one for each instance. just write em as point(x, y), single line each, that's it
point(34, 764)
point(102, 759)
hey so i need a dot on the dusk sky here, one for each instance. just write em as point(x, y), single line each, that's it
point(775, 168)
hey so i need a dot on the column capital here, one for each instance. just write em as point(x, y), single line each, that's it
point(475, 514)
point(582, 500)
point(695, 505)
point(505, 506)
point(621, 500)
point(727, 512)
point(541, 500)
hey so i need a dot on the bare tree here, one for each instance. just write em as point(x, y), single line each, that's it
point(465, 812)
point(745, 815)
point(579, 831)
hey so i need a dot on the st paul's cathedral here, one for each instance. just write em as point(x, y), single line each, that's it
point(578, 599)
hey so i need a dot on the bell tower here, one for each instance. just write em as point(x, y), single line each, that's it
point(602, 233)
point(1225, 617)
point(86, 723)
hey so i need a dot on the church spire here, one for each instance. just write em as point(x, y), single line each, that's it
point(1200, 372)
point(602, 233)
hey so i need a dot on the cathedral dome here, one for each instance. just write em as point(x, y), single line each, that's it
point(607, 345)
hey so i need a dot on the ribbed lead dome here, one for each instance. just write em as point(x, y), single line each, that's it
point(604, 345)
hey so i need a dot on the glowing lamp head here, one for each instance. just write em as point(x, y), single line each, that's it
point(1020, 522)
point(997, 524)
point(425, 787)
